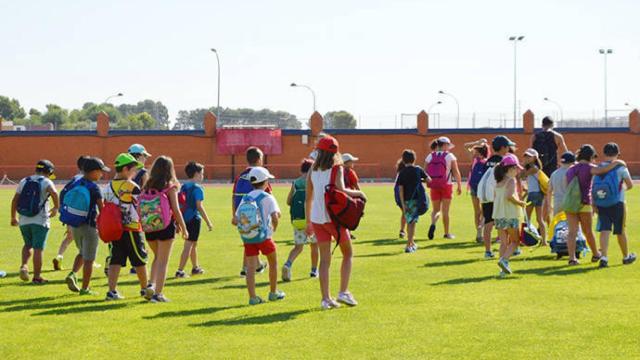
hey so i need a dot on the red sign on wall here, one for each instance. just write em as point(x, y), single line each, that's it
point(236, 141)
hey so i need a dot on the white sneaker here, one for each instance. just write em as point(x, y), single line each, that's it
point(286, 273)
point(329, 304)
point(347, 298)
point(449, 236)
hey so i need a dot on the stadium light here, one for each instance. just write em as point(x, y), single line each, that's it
point(218, 61)
point(106, 101)
point(441, 92)
point(605, 52)
point(559, 107)
point(515, 40)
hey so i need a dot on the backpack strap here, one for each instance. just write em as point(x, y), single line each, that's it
point(334, 174)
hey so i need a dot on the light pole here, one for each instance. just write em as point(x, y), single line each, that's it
point(112, 96)
point(559, 107)
point(457, 105)
point(313, 94)
point(630, 105)
point(432, 106)
point(605, 52)
point(515, 40)
point(218, 61)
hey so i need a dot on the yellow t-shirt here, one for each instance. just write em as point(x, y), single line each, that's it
point(125, 194)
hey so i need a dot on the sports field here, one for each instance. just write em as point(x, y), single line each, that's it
point(444, 301)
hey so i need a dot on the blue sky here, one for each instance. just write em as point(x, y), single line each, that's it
point(373, 58)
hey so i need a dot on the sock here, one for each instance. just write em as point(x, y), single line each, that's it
point(314, 269)
point(604, 258)
point(59, 257)
point(288, 264)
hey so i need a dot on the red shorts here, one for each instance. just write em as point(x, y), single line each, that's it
point(266, 247)
point(442, 194)
point(325, 232)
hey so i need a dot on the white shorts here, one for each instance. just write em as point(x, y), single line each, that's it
point(300, 238)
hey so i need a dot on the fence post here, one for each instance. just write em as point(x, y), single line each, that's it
point(210, 123)
point(528, 122)
point(102, 124)
point(423, 123)
point(634, 121)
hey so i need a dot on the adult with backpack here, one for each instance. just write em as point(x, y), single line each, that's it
point(325, 184)
point(296, 201)
point(441, 165)
point(479, 151)
point(578, 201)
point(31, 203)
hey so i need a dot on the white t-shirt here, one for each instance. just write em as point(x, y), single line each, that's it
point(319, 179)
point(448, 159)
point(43, 216)
point(269, 206)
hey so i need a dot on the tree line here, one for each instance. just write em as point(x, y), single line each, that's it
point(150, 114)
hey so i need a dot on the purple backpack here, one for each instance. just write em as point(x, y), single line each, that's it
point(437, 170)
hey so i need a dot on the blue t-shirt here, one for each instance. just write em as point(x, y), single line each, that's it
point(621, 173)
point(194, 193)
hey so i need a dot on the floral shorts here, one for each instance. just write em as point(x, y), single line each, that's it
point(300, 237)
point(411, 211)
point(504, 224)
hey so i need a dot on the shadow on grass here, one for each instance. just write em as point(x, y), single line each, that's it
point(382, 242)
point(395, 253)
point(261, 284)
point(452, 263)
point(102, 306)
point(51, 305)
point(451, 245)
point(5, 283)
point(255, 320)
point(192, 312)
point(27, 301)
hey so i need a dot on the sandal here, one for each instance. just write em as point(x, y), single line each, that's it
point(574, 262)
point(596, 258)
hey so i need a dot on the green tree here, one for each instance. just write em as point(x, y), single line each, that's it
point(55, 115)
point(193, 119)
point(10, 109)
point(154, 108)
point(339, 120)
point(141, 121)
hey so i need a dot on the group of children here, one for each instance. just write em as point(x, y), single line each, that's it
point(503, 192)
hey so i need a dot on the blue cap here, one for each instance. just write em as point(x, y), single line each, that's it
point(501, 141)
point(138, 149)
point(568, 158)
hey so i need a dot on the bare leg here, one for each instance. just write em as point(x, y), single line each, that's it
point(164, 251)
point(345, 269)
point(273, 271)
point(624, 244)
point(411, 231)
point(141, 272)
point(486, 236)
point(251, 275)
point(573, 221)
point(186, 252)
point(194, 255)
point(77, 263)
point(114, 271)
point(542, 226)
point(604, 242)
point(435, 213)
point(586, 225)
point(293, 255)
point(446, 204)
point(315, 253)
point(37, 263)
point(68, 239)
point(512, 235)
point(154, 264)
point(87, 270)
point(325, 264)
point(26, 255)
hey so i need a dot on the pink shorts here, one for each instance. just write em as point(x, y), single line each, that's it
point(442, 194)
point(325, 232)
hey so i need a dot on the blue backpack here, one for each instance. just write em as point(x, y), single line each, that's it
point(251, 224)
point(76, 204)
point(29, 200)
point(606, 189)
point(479, 168)
point(241, 188)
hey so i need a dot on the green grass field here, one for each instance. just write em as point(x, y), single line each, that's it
point(444, 301)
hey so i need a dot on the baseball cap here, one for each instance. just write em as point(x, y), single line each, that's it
point(258, 174)
point(328, 143)
point(125, 159)
point(138, 149)
point(568, 158)
point(94, 163)
point(445, 140)
point(531, 152)
point(348, 157)
point(501, 141)
point(611, 149)
point(46, 166)
point(510, 160)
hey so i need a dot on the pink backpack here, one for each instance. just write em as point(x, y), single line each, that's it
point(437, 170)
point(155, 210)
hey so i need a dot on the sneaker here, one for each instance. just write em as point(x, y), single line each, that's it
point(113, 295)
point(148, 292)
point(256, 300)
point(275, 296)
point(262, 266)
point(72, 282)
point(449, 236)
point(24, 274)
point(132, 271)
point(286, 273)
point(159, 298)
point(39, 281)
point(313, 273)
point(3, 274)
point(243, 272)
point(329, 304)
point(181, 274)
point(479, 239)
point(432, 231)
point(504, 265)
point(197, 271)
point(517, 252)
point(630, 259)
point(409, 250)
point(352, 236)
point(596, 258)
point(574, 262)
point(347, 298)
point(87, 292)
point(56, 264)
point(402, 234)
point(604, 263)
point(489, 255)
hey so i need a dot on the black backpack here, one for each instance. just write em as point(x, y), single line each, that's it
point(545, 144)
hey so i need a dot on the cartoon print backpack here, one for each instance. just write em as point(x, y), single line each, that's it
point(606, 189)
point(155, 210)
point(298, 200)
point(251, 224)
point(76, 204)
point(437, 170)
point(29, 200)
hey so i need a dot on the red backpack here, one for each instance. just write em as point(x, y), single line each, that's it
point(437, 170)
point(109, 222)
point(344, 210)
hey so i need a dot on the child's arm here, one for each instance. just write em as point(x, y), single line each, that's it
point(600, 170)
point(470, 145)
point(456, 175)
point(512, 194)
point(275, 218)
point(308, 203)
point(290, 196)
point(401, 191)
point(203, 212)
point(341, 187)
point(177, 214)
point(56, 201)
point(100, 204)
point(14, 210)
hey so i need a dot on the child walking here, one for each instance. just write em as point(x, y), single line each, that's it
point(479, 151)
point(507, 209)
point(193, 214)
point(320, 224)
point(123, 193)
point(161, 218)
point(350, 176)
point(536, 190)
point(31, 202)
point(397, 195)
point(441, 165)
point(257, 219)
point(296, 201)
point(558, 181)
point(410, 186)
point(610, 189)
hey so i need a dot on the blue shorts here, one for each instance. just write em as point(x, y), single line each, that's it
point(535, 198)
point(611, 217)
point(34, 236)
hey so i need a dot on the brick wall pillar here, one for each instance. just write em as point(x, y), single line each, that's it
point(422, 123)
point(210, 123)
point(528, 122)
point(316, 123)
point(102, 124)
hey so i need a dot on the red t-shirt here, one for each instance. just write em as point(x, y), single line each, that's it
point(351, 179)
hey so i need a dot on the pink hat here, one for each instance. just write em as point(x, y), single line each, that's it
point(511, 160)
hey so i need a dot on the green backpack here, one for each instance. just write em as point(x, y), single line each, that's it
point(572, 202)
point(297, 210)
